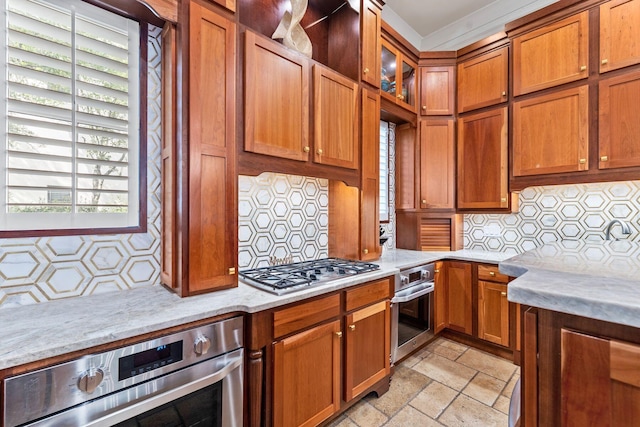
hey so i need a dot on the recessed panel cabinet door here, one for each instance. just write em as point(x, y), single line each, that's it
point(276, 100)
point(371, 42)
point(493, 313)
point(336, 119)
point(213, 237)
point(619, 125)
point(437, 91)
point(619, 34)
point(483, 80)
point(482, 160)
point(437, 164)
point(555, 54)
point(459, 304)
point(370, 191)
point(551, 133)
point(306, 376)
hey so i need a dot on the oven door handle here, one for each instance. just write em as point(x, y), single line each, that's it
point(424, 289)
point(166, 397)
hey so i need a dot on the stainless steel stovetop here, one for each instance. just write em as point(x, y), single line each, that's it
point(286, 278)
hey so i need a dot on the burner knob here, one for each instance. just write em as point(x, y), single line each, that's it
point(202, 345)
point(90, 380)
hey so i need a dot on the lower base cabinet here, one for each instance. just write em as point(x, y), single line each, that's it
point(315, 358)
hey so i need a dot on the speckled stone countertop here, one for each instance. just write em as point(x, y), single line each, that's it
point(35, 332)
point(599, 280)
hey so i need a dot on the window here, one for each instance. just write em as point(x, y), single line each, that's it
point(71, 117)
point(384, 171)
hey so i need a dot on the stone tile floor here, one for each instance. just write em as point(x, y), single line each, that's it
point(444, 384)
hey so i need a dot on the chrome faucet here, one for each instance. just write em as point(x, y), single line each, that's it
point(625, 228)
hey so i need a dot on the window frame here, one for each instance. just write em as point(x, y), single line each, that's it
point(141, 227)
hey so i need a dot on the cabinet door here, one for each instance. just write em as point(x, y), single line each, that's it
point(482, 81)
point(335, 119)
point(370, 191)
point(459, 305)
point(619, 34)
point(371, 42)
point(276, 83)
point(213, 237)
point(555, 54)
point(493, 312)
point(440, 298)
point(367, 348)
point(306, 376)
point(437, 164)
point(437, 89)
point(619, 127)
point(551, 133)
point(398, 82)
point(483, 161)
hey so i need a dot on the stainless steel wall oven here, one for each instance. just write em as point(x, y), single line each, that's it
point(190, 378)
point(412, 310)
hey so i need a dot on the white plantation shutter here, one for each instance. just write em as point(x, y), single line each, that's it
point(70, 116)
point(384, 171)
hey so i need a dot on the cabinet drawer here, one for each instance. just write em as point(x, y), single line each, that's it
point(303, 315)
point(491, 273)
point(368, 294)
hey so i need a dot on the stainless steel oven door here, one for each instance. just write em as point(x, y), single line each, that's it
point(412, 319)
point(206, 394)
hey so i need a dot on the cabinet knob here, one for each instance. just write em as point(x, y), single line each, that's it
point(583, 161)
point(504, 294)
point(424, 107)
point(583, 68)
point(305, 149)
point(436, 271)
point(503, 199)
point(504, 93)
point(605, 61)
point(604, 158)
point(339, 334)
point(366, 251)
point(366, 70)
point(492, 273)
point(319, 150)
point(352, 327)
point(401, 97)
point(424, 202)
point(232, 271)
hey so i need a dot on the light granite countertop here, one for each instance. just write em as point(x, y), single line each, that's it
point(36, 332)
point(599, 280)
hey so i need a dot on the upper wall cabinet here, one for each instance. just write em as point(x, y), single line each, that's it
point(437, 91)
point(552, 55)
point(370, 18)
point(619, 34)
point(483, 80)
point(274, 126)
point(398, 77)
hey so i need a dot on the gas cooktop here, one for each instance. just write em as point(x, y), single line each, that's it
point(282, 279)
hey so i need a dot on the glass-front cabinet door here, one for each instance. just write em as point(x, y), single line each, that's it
point(398, 77)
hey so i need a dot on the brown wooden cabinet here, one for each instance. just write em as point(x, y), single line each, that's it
point(551, 55)
point(619, 34)
point(440, 299)
point(306, 376)
point(551, 133)
point(483, 80)
point(335, 117)
point(493, 312)
point(437, 91)
point(370, 20)
point(483, 161)
point(206, 194)
point(459, 297)
point(398, 81)
point(437, 164)
point(619, 127)
point(276, 105)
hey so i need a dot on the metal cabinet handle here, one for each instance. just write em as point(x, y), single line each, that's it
point(605, 61)
point(366, 251)
point(583, 161)
point(436, 271)
point(604, 158)
point(424, 107)
point(583, 68)
point(504, 93)
point(339, 334)
point(492, 273)
point(306, 149)
point(352, 327)
point(504, 294)
point(319, 150)
point(366, 70)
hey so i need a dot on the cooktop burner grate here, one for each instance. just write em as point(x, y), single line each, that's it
point(285, 278)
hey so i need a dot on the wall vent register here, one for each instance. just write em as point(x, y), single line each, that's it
point(286, 278)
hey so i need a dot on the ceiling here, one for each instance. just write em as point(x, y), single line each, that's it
point(453, 24)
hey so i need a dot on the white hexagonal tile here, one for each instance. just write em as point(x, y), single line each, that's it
point(529, 211)
point(529, 229)
point(280, 231)
point(548, 237)
point(311, 189)
point(323, 199)
point(263, 244)
point(594, 220)
point(106, 258)
point(296, 198)
point(18, 265)
point(280, 209)
point(527, 194)
point(621, 190)
point(549, 201)
point(310, 209)
point(310, 230)
point(295, 242)
point(296, 220)
point(593, 201)
point(569, 192)
point(571, 211)
point(549, 220)
point(141, 271)
point(280, 251)
point(140, 243)
point(477, 234)
point(511, 236)
point(245, 257)
point(296, 181)
point(262, 221)
point(323, 220)
point(281, 185)
point(620, 210)
point(245, 208)
point(245, 233)
point(310, 252)
point(263, 198)
point(571, 230)
point(65, 279)
point(63, 248)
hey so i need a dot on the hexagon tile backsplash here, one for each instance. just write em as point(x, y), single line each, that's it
point(34, 270)
point(554, 213)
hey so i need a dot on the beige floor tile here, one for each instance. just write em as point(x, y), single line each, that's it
point(467, 412)
point(342, 421)
point(490, 365)
point(410, 417)
point(450, 349)
point(445, 371)
point(484, 388)
point(364, 414)
point(405, 384)
point(434, 399)
point(410, 361)
point(510, 385)
point(502, 404)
